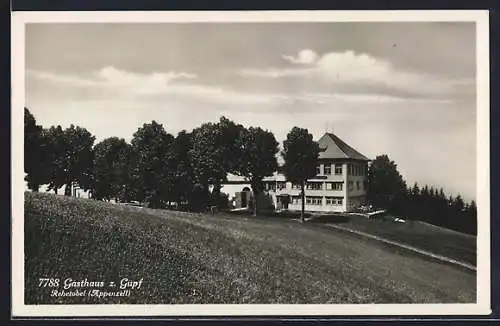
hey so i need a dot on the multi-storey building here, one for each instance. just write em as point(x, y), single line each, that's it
point(339, 185)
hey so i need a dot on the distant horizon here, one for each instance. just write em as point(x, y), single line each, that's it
point(407, 90)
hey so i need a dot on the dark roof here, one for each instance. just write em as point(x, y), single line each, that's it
point(335, 148)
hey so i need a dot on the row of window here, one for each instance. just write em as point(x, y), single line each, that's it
point(327, 169)
point(319, 186)
point(271, 186)
point(351, 169)
point(359, 185)
point(339, 186)
point(356, 170)
point(316, 200)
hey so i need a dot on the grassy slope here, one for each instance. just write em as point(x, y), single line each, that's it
point(441, 241)
point(193, 258)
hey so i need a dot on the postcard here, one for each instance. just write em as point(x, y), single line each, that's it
point(250, 163)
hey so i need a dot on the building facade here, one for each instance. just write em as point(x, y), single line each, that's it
point(340, 184)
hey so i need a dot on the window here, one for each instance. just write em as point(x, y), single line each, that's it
point(357, 185)
point(327, 169)
point(318, 170)
point(296, 200)
point(314, 186)
point(338, 169)
point(295, 186)
point(271, 186)
point(350, 185)
point(334, 185)
point(314, 200)
point(334, 200)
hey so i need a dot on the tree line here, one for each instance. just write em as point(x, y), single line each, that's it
point(158, 168)
point(189, 169)
point(387, 189)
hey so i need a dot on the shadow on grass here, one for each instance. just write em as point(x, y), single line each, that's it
point(290, 215)
point(330, 218)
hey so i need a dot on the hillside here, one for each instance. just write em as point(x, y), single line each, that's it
point(195, 258)
point(435, 239)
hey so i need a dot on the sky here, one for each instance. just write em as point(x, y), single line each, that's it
point(407, 90)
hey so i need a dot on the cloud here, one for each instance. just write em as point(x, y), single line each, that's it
point(306, 56)
point(274, 73)
point(147, 82)
point(111, 77)
point(361, 71)
point(110, 83)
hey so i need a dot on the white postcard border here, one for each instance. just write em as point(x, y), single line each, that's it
point(482, 307)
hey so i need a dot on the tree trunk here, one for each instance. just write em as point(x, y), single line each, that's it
point(216, 195)
point(255, 194)
point(67, 190)
point(302, 186)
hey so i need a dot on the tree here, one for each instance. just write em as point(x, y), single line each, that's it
point(207, 159)
point(258, 158)
point(110, 170)
point(471, 215)
point(55, 140)
point(79, 157)
point(442, 209)
point(300, 153)
point(215, 153)
point(458, 203)
point(424, 202)
point(399, 203)
point(35, 161)
point(71, 157)
point(229, 132)
point(385, 183)
point(473, 208)
point(184, 176)
point(152, 165)
point(413, 209)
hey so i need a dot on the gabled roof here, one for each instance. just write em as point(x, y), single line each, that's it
point(335, 148)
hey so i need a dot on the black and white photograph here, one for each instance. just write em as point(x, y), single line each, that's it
point(270, 163)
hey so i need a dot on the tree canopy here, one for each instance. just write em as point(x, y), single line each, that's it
point(152, 167)
point(215, 153)
point(70, 153)
point(184, 178)
point(386, 185)
point(300, 153)
point(258, 149)
point(35, 161)
point(111, 168)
